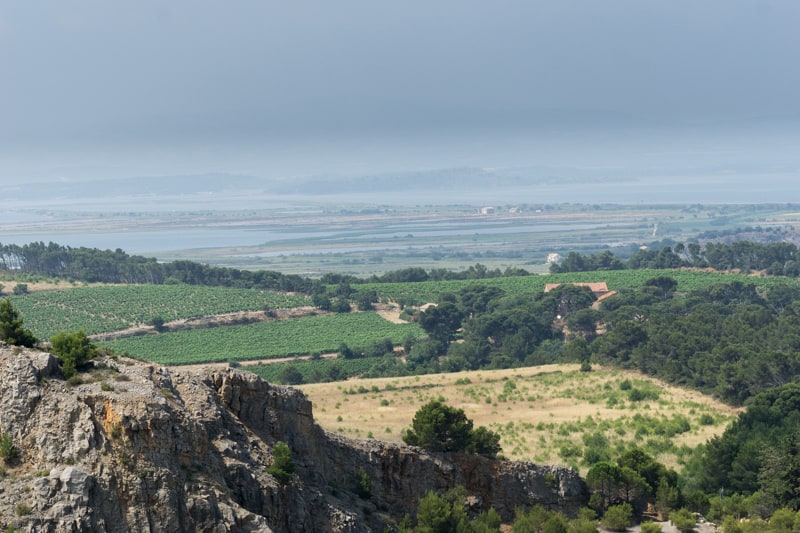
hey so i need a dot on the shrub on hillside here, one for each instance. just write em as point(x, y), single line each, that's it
point(618, 517)
point(73, 350)
point(683, 520)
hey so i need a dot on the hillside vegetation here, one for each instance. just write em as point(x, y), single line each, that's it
point(733, 336)
point(550, 414)
point(106, 309)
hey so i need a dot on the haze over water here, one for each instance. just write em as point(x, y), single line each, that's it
point(583, 102)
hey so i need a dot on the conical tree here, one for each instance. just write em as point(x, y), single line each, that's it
point(11, 330)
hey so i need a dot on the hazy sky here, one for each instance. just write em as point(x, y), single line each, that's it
point(92, 88)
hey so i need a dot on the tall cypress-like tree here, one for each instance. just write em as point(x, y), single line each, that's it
point(11, 329)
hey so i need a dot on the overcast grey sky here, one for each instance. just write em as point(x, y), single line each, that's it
point(92, 88)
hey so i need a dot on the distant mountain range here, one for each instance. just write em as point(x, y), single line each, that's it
point(426, 180)
point(441, 183)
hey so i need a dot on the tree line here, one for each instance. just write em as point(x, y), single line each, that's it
point(779, 259)
point(416, 274)
point(731, 340)
point(115, 266)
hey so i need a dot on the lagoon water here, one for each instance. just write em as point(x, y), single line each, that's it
point(40, 220)
point(156, 241)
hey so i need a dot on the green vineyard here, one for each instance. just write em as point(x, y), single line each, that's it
point(688, 280)
point(105, 309)
point(265, 340)
point(116, 307)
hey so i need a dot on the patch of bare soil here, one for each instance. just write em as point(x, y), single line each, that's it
point(390, 313)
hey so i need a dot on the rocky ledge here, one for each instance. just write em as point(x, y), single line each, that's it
point(137, 447)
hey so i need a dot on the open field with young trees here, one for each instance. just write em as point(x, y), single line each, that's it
point(552, 414)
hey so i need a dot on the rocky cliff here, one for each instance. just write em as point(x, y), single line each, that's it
point(136, 447)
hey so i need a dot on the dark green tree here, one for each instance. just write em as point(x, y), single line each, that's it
point(632, 487)
point(345, 352)
point(487, 522)
point(341, 305)
point(661, 286)
point(583, 323)
point(73, 351)
point(577, 351)
point(158, 324)
point(365, 299)
point(363, 484)
point(539, 520)
point(441, 322)
point(780, 472)
point(484, 441)
point(290, 375)
point(11, 329)
point(321, 301)
point(344, 290)
point(571, 298)
point(604, 478)
point(475, 299)
point(667, 497)
point(424, 351)
point(282, 466)
point(733, 460)
point(439, 428)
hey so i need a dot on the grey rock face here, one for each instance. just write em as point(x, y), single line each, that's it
point(141, 448)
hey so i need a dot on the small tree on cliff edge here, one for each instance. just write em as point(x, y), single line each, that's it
point(441, 428)
point(73, 351)
point(11, 330)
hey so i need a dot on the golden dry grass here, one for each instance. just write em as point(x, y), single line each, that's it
point(540, 412)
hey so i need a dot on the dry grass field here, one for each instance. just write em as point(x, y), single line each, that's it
point(551, 414)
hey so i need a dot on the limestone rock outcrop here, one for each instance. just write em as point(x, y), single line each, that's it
point(137, 447)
